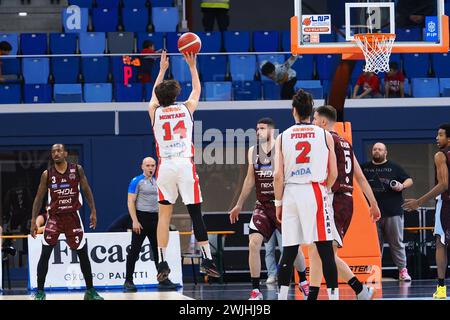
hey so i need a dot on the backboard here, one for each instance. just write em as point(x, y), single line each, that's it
point(329, 26)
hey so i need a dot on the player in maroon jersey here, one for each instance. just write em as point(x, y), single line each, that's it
point(62, 181)
point(342, 198)
point(442, 216)
point(263, 222)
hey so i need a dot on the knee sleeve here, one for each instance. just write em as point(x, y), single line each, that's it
point(326, 253)
point(195, 211)
point(287, 260)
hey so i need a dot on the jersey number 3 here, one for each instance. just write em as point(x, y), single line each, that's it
point(180, 129)
point(304, 148)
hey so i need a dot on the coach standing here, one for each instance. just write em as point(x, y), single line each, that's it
point(388, 180)
point(143, 209)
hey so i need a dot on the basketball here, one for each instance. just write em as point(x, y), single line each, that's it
point(189, 42)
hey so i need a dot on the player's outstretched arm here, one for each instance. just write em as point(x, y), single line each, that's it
point(332, 162)
point(278, 176)
point(89, 197)
point(163, 66)
point(247, 188)
point(42, 189)
point(374, 210)
point(192, 102)
point(440, 161)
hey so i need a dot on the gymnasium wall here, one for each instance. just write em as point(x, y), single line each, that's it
point(112, 143)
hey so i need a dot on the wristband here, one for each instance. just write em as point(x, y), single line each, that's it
point(278, 203)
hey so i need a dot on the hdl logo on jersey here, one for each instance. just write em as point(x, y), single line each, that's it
point(316, 24)
point(431, 29)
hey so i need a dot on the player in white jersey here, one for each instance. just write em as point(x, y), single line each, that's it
point(305, 168)
point(172, 125)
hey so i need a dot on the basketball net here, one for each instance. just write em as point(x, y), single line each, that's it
point(377, 48)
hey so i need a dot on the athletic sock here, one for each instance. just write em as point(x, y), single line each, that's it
point(161, 254)
point(333, 293)
point(313, 293)
point(355, 284)
point(283, 294)
point(441, 282)
point(255, 283)
point(206, 251)
point(302, 276)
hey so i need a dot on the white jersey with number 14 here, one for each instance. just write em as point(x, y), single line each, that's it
point(305, 153)
point(173, 126)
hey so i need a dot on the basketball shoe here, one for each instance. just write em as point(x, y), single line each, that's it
point(304, 288)
point(403, 275)
point(163, 271)
point(209, 268)
point(39, 295)
point(367, 293)
point(256, 295)
point(91, 294)
point(441, 292)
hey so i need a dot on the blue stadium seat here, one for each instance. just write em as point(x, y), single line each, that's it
point(135, 19)
point(107, 3)
point(148, 90)
point(408, 34)
point(131, 93)
point(286, 40)
point(425, 87)
point(12, 39)
point(35, 70)
point(65, 69)
point(247, 90)
point(441, 65)
point(63, 43)
point(117, 71)
point(165, 19)
point(11, 66)
point(134, 3)
point(326, 84)
point(172, 41)
point(156, 37)
point(72, 25)
point(10, 93)
point(180, 69)
point(161, 3)
point(314, 87)
point(357, 70)
point(97, 92)
point(416, 65)
point(105, 19)
point(271, 91)
point(211, 41)
point(242, 67)
point(121, 42)
point(33, 43)
point(326, 65)
point(186, 89)
point(397, 57)
point(67, 93)
point(95, 69)
point(213, 68)
point(81, 3)
point(444, 86)
point(303, 66)
point(236, 41)
point(92, 42)
point(274, 58)
point(37, 93)
point(217, 91)
point(265, 41)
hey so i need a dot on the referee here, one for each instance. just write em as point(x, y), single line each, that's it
point(143, 209)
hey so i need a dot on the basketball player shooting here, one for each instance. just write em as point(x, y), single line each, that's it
point(173, 125)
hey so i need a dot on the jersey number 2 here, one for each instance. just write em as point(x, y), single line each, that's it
point(180, 129)
point(304, 148)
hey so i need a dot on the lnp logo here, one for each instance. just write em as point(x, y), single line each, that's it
point(316, 24)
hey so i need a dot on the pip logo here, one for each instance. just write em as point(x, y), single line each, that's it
point(127, 69)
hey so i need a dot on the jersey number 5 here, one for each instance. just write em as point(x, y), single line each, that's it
point(180, 129)
point(305, 148)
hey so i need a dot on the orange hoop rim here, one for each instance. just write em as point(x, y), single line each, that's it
point(371, 37)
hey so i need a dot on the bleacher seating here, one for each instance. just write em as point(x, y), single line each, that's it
point(81, 3)
point(63, 43)
point(212, 68)
point(217, 91)
point(165, 19)
point(95, 69)
point(67, 93)
point(92, 42)
point(242, 67)
point(424, 87)
point(416, 65)
point(236, 41)
point(65, 69)
point(135, 19)
point(180, 69)
point(10, 93)
point(247, 90)
point(156, 37)
point(97, 92)
point(265, 41)
point(37, 93)
point(120, 42)
point(107, 3)
point(441, 65)
point(35, 70)
point(211, 41)
point(105, 19)
point(12, 39)
point(314, 87)
point(33, 43)
point(131, 93)
point(134, 3)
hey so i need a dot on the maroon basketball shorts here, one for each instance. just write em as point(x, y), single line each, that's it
point(264, 219)
point(68, 223)
point(343, 212)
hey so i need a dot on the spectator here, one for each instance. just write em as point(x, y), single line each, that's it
point(215, 10)
point(394, 82)
point(370, 84)
point(271, 261)
point(282, 74)
point(412, 13)
point(388, 180)
point(145, 70)
point(143, 209)
point(5, 49)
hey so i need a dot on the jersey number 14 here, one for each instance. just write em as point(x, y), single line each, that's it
point(179, 128)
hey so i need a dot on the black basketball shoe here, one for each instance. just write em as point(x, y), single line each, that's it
point(209, 268)
point(163, 271)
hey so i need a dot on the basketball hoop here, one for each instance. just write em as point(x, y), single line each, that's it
point(377, 49)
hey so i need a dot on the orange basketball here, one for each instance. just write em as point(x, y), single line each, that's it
point(189, 42)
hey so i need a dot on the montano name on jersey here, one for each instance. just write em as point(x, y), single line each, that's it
point(305, 153)
point(173, 128)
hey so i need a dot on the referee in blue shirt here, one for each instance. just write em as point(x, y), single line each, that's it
point(143, 209)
